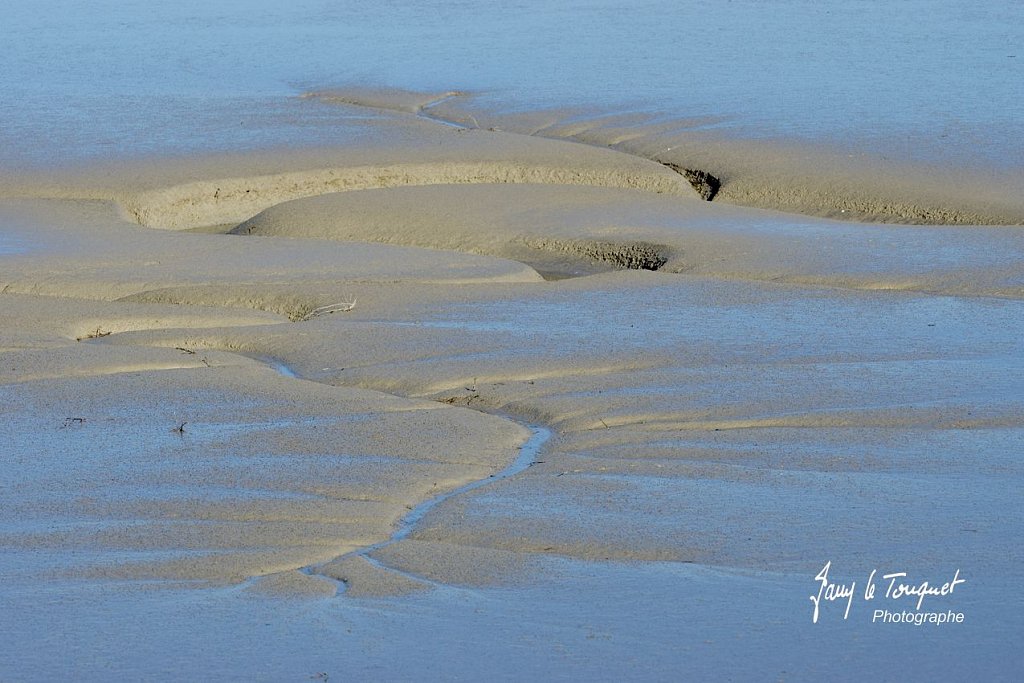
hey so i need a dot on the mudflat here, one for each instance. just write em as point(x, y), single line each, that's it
point(281, 413)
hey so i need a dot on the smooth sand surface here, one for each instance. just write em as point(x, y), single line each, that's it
point(199, 456)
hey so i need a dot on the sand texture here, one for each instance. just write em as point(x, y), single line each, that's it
point(247, 387)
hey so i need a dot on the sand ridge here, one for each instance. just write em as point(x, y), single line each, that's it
point(779, 174)
point(561, 229)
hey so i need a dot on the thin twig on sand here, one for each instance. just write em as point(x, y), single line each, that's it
point(100, 332)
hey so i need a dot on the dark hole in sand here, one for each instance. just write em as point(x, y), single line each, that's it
point(703, 182)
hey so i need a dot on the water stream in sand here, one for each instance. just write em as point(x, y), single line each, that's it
point(528, 454)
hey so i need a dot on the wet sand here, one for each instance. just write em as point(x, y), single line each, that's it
point(229, 381)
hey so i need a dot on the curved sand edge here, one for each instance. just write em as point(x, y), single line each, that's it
point(783, 175)
point(564, 229)
point(224, 189)
point(408, 145)
point(227, 200)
